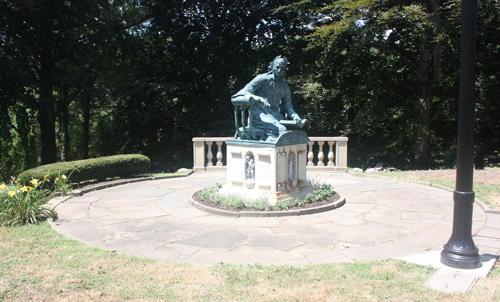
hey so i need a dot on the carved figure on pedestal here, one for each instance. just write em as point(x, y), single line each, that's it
point(292, 164)
point(249, 168)
point(266, 97)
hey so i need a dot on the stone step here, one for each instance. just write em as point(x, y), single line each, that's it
point(293, 193)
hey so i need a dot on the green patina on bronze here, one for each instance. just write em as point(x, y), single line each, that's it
point(268, 100)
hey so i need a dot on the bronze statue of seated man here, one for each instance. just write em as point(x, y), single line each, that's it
point(267, 96)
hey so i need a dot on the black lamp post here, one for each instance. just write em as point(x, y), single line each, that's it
point(460, 251)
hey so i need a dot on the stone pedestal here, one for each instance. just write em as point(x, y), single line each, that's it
point(276, 170)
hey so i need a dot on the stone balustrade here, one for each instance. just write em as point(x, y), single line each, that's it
point(208, 153)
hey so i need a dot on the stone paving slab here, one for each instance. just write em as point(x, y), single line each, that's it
point(382, 218)
point(223, 239)
point(449, 281)
point(432, 258)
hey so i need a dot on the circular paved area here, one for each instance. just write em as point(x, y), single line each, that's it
point(382, 218)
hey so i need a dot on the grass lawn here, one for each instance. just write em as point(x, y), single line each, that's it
point(489, 193)
point(38, 264)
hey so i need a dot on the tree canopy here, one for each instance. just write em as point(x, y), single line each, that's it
point(83, 79)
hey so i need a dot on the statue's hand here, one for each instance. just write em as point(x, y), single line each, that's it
point(300, 122)
point(264, 102)
point(296, 118)
point(260, 99)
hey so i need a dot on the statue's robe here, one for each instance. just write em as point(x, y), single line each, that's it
point(265, 120)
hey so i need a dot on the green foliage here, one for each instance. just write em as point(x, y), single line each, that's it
point(385, 74)
point(18, 143)
point(487, 100)
point(210, 193)
point(62, 184)
point(374, 76)
point(90, 169)
point(260, 204)
point(27, 204)
point(10, 157)
point(283, 205)
point(233, 200)
point(320, 192)
point(84, 79)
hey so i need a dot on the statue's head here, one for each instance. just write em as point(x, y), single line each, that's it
point(278, 66)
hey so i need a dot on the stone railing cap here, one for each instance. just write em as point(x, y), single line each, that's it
point(211, 139)
point(329, 138)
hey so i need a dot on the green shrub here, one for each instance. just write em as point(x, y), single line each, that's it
point(233, 200)
point(260, 204)
point(211, 193)
point(89, 169)
point(282, 205)
point(320, 192)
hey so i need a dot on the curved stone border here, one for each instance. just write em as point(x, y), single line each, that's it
point(337, 204)
point(54, 202)
point(124, 182)
point(482, 204)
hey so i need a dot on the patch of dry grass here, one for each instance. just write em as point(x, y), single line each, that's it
point(37, 264)
point(486, 182)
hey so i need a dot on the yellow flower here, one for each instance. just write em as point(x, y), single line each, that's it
point(30, 188)
point(12, 193)
point(55, 180)
point(2, 186)
point(34, 181)
point(24, 188)
point(63, 176)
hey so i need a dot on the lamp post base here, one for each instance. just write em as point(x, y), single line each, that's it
point(456, 260)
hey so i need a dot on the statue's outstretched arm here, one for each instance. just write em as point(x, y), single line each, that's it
point(247, 97)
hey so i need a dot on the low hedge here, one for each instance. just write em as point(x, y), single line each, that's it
point(89, 169)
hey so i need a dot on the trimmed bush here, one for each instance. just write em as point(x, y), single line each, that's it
point(89, 169)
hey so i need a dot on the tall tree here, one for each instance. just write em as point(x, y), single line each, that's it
point(209, 43)
point(382, 61)
point(40, 34)
point(176, 81)
point(55, 45)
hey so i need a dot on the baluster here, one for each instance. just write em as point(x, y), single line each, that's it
point(219, 153)
point(331, 156)
point(209, 154)
point(310, 154)
point(321, 155)
point(199, 153)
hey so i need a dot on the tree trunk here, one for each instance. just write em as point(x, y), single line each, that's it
point(48, 137)
point(64, 121)
point(46, 113)
point(85, 125)
point(429, 77)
